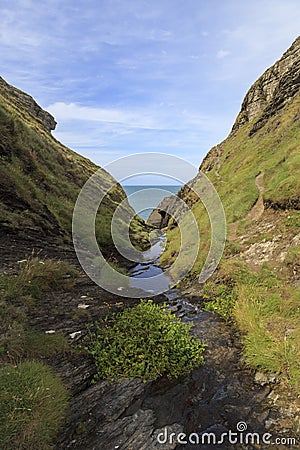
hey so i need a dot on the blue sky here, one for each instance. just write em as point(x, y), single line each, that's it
point(131, 76)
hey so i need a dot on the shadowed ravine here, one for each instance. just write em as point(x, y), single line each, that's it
point(48, 302)
point(131, 414)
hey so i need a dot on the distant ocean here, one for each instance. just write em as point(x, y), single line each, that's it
point(146, 198)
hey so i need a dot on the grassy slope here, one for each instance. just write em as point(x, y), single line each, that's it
point(40, 180)
point(273, 150)
point(255, 287)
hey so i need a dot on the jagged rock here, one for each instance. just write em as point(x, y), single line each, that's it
point(169, 207)
point(264, 378)
point(99, 419)
point(277, 86)
point(20, 98)
point(155, 218)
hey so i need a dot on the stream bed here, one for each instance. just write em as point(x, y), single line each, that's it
point(221, 405)
point(222, 398)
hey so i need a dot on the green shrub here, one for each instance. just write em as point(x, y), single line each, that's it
point(145, 341)
point(33, 403)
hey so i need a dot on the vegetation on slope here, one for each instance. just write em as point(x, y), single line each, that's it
point(40, 180)
point(262, 301)
point(33, 400)
point(33, 404)
point(266, 310)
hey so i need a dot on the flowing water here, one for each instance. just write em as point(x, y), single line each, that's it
point(221, 397)
point(148, 275)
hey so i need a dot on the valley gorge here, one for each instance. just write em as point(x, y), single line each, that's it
point(247, 313)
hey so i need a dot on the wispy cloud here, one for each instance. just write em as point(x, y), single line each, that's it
point(129, 119)
point(142, 74)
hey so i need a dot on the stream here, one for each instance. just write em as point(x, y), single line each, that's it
point(221, 398)
point(215, 407)
point(143, 273)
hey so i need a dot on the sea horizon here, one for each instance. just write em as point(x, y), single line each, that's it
point(152, 195)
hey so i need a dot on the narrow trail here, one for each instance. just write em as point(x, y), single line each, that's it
point(256, 211)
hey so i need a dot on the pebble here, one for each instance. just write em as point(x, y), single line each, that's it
point(75, 334)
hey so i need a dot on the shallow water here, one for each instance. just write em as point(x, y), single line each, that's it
point(219, 395)
point(147, 275)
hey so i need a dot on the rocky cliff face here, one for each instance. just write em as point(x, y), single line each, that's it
point(19, 99)
point(276, 87)
point(168, 210)
point(263, 146)
point(270, 113)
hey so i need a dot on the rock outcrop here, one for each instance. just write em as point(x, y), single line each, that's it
point(276, 87)
point(169, 208)
point(19, 99)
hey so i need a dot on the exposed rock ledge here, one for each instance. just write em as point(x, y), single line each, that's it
point(169, 207)
point(276, 87)
point(24, 101)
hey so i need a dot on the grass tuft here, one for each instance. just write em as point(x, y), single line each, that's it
point(33, 404)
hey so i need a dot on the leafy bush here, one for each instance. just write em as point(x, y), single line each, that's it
point(33, 403)
point(145, 341)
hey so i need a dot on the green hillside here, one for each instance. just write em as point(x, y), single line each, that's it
point(40, 179)
point(256, 174)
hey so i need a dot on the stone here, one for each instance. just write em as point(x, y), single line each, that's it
point(82, 306)
point(167, 211)
point(265, 378)
point(75, 335)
